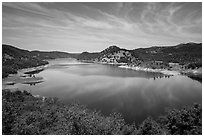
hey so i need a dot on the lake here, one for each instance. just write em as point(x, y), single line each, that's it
point(107, 88)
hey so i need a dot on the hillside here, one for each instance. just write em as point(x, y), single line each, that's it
point(182, 54)
point(114, 54)
point(88, 56)
point(52, 54)
point(188, 55)
point(14, 58)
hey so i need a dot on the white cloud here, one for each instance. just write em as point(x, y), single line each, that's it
point(43, 24)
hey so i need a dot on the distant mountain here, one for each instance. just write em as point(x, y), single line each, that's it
point(11, 50)
point(14, 58)
point(88, 56)
point(52, 54)
point(186, 53)
point(112, 54)
point(182, 53)
point(110, 50)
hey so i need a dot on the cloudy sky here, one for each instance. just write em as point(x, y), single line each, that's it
point(77, 27)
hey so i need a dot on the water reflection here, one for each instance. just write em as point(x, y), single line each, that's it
point(87, 69)
point(32, 83)
point(108, 88)
point(162, 76)
point(105, 70)
point(196, 78)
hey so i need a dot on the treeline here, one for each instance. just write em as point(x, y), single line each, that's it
point(25, 114)
point(12, 66)
point(190, 53)
point(193, 65)
point(14, 59)
point(183, 54)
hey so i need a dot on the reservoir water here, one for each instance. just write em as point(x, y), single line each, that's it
point(107, 88)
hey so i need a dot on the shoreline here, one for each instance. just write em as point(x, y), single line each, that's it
point(32, 70)
point(186, 72)
point(24, 76)
point(137, 68)
point(27, 75)
point(163, 71)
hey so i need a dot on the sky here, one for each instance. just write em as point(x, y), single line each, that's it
point(92, 27)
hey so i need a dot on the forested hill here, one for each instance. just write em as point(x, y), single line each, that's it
point(14, 51)
point(14, 58)
point(182, 53)
point(52, 54)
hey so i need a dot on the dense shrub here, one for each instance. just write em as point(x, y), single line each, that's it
point(14, 59)
point(6, 70)
point(194, 65)
point(23, 114)
point(11, 66)
point(187, 120)
point(150, 127)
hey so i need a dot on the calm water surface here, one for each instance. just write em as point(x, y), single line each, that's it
point(108, 88)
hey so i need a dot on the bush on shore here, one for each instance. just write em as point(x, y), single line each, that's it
point(25, 114)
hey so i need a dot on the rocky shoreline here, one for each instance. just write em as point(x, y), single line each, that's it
point(192, 73)
point(163, 71)
point(172, 72)
point(27, 76)
point(195, 74)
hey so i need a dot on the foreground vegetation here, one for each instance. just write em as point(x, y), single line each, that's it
point(22, 113)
